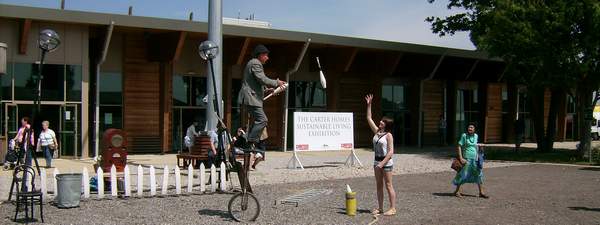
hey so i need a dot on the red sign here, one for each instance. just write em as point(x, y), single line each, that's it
point(302, 147)
point(346, 145)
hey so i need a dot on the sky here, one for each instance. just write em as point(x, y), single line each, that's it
point(393, 20)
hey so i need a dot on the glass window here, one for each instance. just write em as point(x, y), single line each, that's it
point(180, 87)
point(111, 117)
point(189, 91)
point(523, 104)
point(387, 97)
point(7, 83)
point(73, 79)
point(394, 106)
point(199, 91)
point(467, 110)
point(571, 104)
point(52, 84)
point(399, 96)
point(504, 99)
point(306, 95)
point(393, 97)
point(111, 88)
point(469, 100)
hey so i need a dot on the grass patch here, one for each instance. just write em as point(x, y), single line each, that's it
point(556, 156)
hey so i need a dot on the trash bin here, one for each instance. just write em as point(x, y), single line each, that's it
point(68, 194)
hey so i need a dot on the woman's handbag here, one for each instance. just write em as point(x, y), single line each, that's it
point(456, 165)
point(52, 146)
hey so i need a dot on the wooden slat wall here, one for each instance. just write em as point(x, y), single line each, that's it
point(166, 106)
point(274, 109)
point(140, 90)
point(561, 132)
point(493, 120)
point(433, 107)
point(351, 99)
point(547, 96)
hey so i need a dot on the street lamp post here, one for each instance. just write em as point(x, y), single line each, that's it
point(208, 50)
point(48, 42)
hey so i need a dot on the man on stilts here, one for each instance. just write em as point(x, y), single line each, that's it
point(252, 92)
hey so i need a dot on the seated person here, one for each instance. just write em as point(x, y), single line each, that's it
point(239, 143)
point(190, 136)
point(214, 144)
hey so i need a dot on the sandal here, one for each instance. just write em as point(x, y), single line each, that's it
point(376, 211)
point(481, 195)
point(390, 212)
point(458, 194)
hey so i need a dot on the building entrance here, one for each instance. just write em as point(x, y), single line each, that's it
point(63, 118)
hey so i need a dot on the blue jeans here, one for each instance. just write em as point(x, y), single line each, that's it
point(48, 155)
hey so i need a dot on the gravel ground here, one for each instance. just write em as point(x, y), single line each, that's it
point(532, 194)
point(326, 166)
point(318, 166)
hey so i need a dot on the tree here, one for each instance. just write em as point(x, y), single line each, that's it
point(547, 45)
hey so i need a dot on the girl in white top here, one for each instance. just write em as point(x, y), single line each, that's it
point(383, 145)
point(47, 142)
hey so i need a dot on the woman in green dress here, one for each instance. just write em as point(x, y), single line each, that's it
point(467, 151)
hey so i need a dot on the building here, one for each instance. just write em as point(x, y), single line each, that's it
point(152, 81)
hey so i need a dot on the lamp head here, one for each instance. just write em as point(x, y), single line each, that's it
point(49, 40)
point(208, 50)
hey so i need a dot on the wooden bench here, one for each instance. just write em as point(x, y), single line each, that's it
point(198, 153)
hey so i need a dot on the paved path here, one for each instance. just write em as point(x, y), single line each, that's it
point(532, 194)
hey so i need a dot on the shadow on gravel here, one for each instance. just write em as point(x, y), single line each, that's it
point(321, 166)
point(213, 212)
point(312, 167)
point(360, 211)
point(26, 221)
point(450, 194)
point(585, 209)
point(590, 168)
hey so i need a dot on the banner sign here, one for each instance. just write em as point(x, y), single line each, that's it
point(322, 131)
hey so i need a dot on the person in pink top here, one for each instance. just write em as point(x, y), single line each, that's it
point(25, 140)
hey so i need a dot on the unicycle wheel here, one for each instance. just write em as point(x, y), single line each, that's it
point(244, 207)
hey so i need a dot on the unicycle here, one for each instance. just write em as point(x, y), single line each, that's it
point(244, 206)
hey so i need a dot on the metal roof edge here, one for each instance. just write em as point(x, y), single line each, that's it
point(95, 18)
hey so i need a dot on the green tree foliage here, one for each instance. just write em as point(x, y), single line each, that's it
point(547, 44)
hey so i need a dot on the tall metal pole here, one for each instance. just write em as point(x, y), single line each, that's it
point(287, 93)
point(215, 34)
point(97, 91)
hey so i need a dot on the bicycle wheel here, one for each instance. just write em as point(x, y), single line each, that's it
point(244, 207)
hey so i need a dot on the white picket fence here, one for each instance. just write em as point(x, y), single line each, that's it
point(139, 186)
